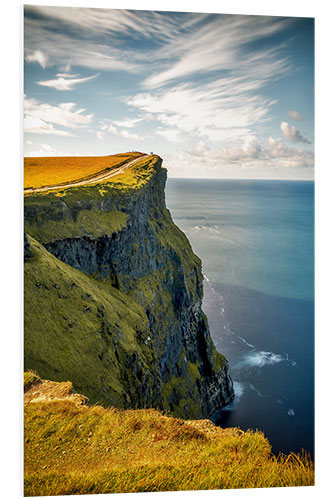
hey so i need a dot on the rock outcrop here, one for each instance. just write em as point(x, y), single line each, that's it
point(154, 348)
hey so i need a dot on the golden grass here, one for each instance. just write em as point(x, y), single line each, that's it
point(47, 171)
point(75, 449)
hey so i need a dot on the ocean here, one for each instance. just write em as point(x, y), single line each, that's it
point(256, 242)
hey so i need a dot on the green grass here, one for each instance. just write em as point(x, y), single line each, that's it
point(84, 330)
point(72, 449)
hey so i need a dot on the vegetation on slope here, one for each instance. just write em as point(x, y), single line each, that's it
point(46, 171)
point(71, 448)
point(77, 211)
point(83, 329)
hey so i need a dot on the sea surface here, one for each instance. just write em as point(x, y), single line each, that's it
point(256, 242)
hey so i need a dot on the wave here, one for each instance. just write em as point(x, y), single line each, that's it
point(245, 342)
point(260, 359)
point(239, 389)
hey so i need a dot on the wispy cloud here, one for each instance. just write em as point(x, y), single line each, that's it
point(65, 82)
point(90, 34)
point(292, 134)
point(37, 56)
point(41, 117)
point(221, 45)
point(125, 134)
point(94, 22)
point(128, 122)
point(221, 110)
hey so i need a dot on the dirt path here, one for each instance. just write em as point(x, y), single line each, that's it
point(100, 176)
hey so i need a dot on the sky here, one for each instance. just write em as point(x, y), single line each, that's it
point(216, 96)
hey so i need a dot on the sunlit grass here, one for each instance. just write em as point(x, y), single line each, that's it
point(47, 171)
point(74, 449)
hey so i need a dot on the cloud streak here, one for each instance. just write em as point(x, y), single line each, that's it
point(222, 110)
point(221, 45)
point(65, 82)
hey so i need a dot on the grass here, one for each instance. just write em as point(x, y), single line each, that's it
point(92, 210)
point(46, 171)
point(85, 331)
point(72, 448)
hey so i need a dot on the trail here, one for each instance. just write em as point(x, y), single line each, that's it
point(99, 176)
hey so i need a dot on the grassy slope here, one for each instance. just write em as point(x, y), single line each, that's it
point(45, 171)
point(71, 448)
point(73, 307)
point(46, 221)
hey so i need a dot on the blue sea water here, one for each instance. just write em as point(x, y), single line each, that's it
point(256, 242)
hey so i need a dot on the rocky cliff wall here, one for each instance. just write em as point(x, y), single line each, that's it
point(123, 238)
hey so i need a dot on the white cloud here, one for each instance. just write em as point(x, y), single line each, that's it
point(37, 56)
point(128, 122)
point(65, 82)
point(295, 115)
point(121, 133)
point(221, 110)
point(221, 45)
point(81, 30)
point(100, 135)
point(183, 43)
point(34, 125)
point(94, 22)
point(251, 155)
point(292, 134)
point(40, 117)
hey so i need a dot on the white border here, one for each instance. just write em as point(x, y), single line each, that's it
point(11, 230)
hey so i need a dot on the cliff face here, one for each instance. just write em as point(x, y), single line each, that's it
point(148, 344)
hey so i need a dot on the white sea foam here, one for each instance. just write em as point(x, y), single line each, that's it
point(239, 389)
point(245, 342)
point(260, 359)
point(205, 277)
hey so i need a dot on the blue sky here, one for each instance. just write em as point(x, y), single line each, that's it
point(225, 96)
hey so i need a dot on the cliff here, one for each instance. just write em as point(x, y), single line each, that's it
point(113, 298)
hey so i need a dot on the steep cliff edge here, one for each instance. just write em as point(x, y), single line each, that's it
point(113, 298)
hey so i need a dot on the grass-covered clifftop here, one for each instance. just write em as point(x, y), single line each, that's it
point(72, 448)
point(113, 297)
